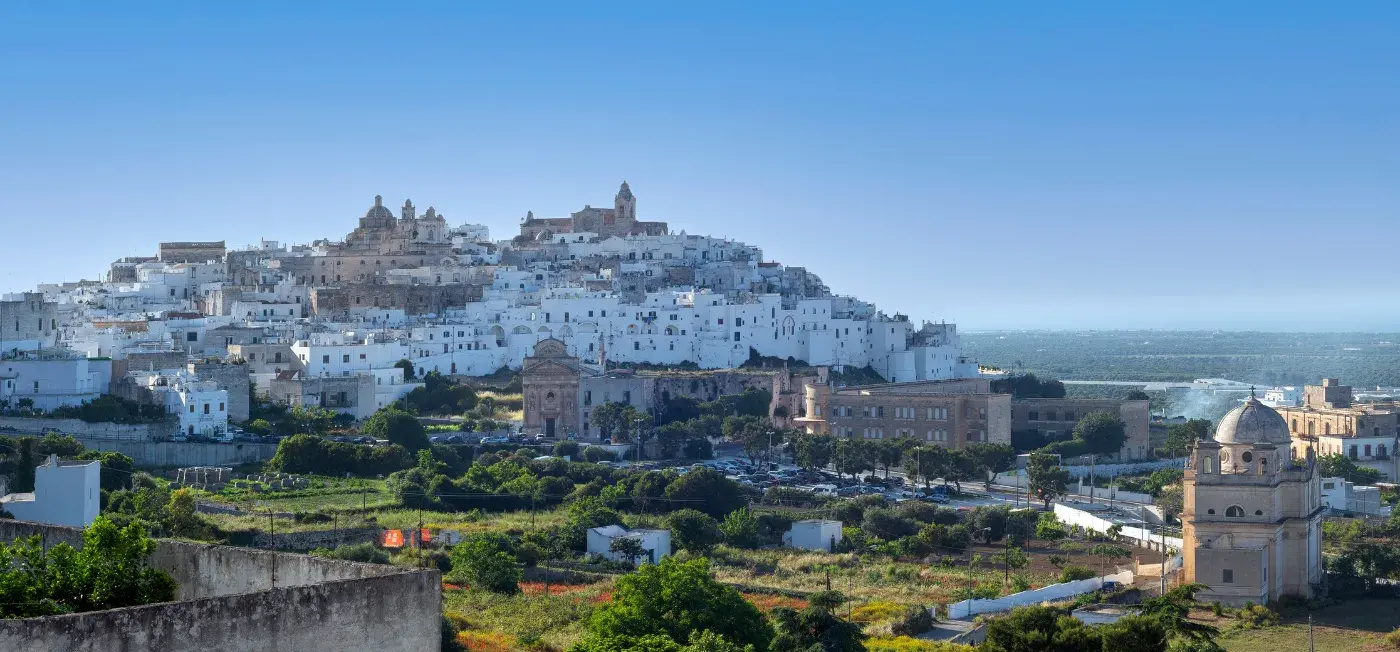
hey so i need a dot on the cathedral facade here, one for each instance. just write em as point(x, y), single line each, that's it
point(382, 242)
point(620, 220)
point(1252, 515)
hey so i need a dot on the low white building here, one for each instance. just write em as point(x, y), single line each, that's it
point(60, 380)
point(657, 543)
point(1342, 496)
point(65, 493)
point(815, 534)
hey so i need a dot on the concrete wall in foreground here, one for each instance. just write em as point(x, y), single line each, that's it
point(239, 599)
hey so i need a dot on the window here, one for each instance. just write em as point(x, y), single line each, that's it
point(1247, 457)
point(736, 336)
point(206, 408)
point(1258, 512)
point(627, 397)
point(325, 359)
point(1208, 466)
point(1227, 576)
point(1050, 416)
point(345, 358)
point(1352, 452)
point(191, 336)
point(191, 408)
point(1368, 450)
point(1234, 511)
point(362, 356)
point(1034, 416)
point(636, 346)
point(221, 407)
point(588, 398)
point(1069, 416)
point(982, 413)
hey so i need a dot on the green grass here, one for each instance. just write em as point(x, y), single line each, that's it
point(1348, 626)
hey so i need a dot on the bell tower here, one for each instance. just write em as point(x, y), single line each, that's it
point(625, 205)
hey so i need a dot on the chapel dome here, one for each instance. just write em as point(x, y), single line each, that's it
point(1252, 423)
point(378, 211)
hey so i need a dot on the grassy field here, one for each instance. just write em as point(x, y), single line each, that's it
point(1350, 626)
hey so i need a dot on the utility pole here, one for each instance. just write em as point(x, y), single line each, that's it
point(1162, 541)
point(419, 536)
point(1091, 478)
point(1311, 642)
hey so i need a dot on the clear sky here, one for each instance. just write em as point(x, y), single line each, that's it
point(1060, 165)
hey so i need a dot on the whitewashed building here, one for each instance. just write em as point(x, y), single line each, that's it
point(65, 493)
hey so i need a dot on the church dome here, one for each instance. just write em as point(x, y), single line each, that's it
point(1252, 423)
point(378, 211)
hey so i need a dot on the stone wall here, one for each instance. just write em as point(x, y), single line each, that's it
point(413, 299)
point(232, 378)
point(184, 453)
point(236, 599)
point(80, 428)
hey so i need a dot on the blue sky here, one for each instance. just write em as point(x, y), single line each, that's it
point(995, 164)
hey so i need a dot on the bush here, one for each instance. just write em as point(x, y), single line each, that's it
point(740, 529)
point(1074, 573)
point(567, 449)
point(597, 454)
point(693, 530)
point(917, 620)
point(1254, 616)
point(1393, 638)
point(486, 562)
point(698, 449)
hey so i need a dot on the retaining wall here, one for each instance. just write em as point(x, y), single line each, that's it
point(1064, 590)
point(184, 453)
point(238, 599)
point(80, 428)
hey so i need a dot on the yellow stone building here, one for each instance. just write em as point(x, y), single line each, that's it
point(1252, 515)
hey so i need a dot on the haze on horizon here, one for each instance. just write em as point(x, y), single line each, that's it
point(1011, 166)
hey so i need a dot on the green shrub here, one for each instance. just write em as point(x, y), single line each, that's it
point(1254, 616)
point(1075, 573)
point(1393, 638)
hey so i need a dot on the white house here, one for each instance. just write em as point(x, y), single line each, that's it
point(1342, 496)
point(52, 381)
point(657, 543)
point(65, 493)
point(814, 534)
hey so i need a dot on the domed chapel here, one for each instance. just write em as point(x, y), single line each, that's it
point(1252, 515)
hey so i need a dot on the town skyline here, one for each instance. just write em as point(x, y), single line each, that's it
point(1003, 146)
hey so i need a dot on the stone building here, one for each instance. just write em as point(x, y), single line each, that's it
point(349, 298)
point(950, 413)
point(1252, 514)
point(1056, 417)
point(550, 384)
point(380, 243)
point(27, 321)
point(620, 220)
point(1329, 423)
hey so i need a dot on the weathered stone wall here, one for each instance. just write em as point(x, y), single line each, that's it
point(80, 428)
point(232, 378)
point(184, 453)
point(413, 299)
point(236, 599)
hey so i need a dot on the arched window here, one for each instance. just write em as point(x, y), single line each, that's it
point(1234, 511)
point(1326, 428)
point(1208, 464)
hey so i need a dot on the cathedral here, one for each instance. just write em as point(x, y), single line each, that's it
point(382, 242)
point(620, 220)
point(1252, 515)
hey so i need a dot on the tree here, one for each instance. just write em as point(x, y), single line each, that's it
point(1110, 553)
point(929, 462)
point(740, 529)
point(672, 436)
point(813, 452)
point(708, 491)
point(26, 461)
point(1045, 478)
point(675, 599)
point(629, 549)
point(1134, 634)
point(816, 627)
point(1337, 465)
point(485, 561)
point(109, 571)
point(991, 459)
point(693, 530)
point(398, 427)
point(1040, 629)
point(853, 457)
point(1100, 433)
point(116, 469)
point(1182, 436)
point(959, 465)
point(1137, 395)
point(606, 418)
point(407, 366)
point(1173, 612)
point(888, 452)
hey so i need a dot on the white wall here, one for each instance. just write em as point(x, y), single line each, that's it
point(970, 608)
